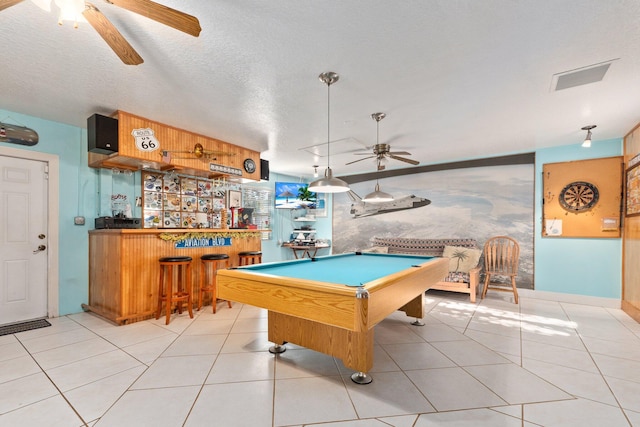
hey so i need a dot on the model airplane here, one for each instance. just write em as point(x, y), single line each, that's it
point(360, 208)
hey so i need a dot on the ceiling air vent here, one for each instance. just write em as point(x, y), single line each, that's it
point(580, 76)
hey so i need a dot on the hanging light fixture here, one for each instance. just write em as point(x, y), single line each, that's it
point(378, 196)
point(328, 184)
point(587, 140)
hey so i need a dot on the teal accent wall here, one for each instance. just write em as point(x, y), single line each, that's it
point(86, 191)
point(77, 197)
point(581, 266)
point(560, 264)
point(283, 224)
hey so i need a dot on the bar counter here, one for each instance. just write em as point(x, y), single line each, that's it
point(124, 269)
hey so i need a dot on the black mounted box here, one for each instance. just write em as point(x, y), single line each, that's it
point(264, 170)
point(102, 134)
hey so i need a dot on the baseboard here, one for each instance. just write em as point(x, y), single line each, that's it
point(570, 298)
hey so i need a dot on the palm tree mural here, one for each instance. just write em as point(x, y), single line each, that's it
point(460, 255)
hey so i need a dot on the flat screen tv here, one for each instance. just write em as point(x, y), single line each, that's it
point(288, 196)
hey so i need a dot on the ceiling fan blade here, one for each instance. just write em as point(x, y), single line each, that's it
point(163, 14)
point(359, 160)
point(402, 159)
point(111, 35)
point(8, 3)
point(396, 153)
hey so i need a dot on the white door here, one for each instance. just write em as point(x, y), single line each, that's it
point(23, 239)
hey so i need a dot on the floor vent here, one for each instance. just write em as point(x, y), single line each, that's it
point(23, 326)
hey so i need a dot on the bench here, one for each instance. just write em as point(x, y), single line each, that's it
point(455, 281)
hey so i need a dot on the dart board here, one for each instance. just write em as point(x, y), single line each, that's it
point(579, 196)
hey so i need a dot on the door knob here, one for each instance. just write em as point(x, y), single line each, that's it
point(40, 248)
point(41, 236)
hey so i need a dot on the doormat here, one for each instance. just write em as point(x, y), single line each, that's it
point(24, 326)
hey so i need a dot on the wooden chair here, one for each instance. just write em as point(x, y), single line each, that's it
point(501, 254)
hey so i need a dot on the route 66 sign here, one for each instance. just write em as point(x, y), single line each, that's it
point(145, 139)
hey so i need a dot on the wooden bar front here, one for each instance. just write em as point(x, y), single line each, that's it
point(124, 269)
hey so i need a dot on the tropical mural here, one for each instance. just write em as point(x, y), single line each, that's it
point(473, 203)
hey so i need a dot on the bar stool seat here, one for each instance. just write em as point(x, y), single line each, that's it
point(183, 285)
point(208, 284)
point(249, 257)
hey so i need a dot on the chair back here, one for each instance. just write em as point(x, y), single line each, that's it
point(501, 254)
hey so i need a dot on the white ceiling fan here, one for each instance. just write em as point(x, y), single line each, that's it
point(383, 151)
point(75, 10)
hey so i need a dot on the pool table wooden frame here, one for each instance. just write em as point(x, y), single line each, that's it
point(334, 319)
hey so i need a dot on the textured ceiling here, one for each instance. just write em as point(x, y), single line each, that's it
point(457, 79)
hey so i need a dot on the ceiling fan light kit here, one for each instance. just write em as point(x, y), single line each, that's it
point(76, 10)
point(383, 151)
point(328, 184)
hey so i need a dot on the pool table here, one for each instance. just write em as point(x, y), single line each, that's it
point(331, 304)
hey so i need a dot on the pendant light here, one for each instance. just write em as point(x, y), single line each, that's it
point(378, 196)
point(328, 184)
point(587, 140)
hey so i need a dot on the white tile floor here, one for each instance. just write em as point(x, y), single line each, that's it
point(493, 363)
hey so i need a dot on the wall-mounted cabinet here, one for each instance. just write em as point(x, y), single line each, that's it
point(582, 198)
point(146, 144)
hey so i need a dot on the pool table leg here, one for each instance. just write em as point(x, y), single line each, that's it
point(277, 348)
point(415, 308)
point(355, 349)
point(361, 378)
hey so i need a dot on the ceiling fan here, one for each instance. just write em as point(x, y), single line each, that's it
point(163, 14)
point(382, 151)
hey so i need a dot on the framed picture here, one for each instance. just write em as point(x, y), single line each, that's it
point(294, 195)
point(235, 199)
point(633, 191)
point(320, 209)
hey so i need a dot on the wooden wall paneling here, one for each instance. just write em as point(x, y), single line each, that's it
point(607, 175)
point(631, 241)
point(124, 269)
point(175, 140)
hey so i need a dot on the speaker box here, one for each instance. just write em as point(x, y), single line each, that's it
point(102, 134)
point(264, 170)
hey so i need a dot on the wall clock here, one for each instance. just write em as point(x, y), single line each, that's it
point(579, 196)
point(249, 165)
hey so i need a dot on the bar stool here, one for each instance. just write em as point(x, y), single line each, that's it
point(183, 284)
point(211, 262)
point(249, 257)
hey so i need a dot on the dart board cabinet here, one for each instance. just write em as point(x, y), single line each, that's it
point(582, 198)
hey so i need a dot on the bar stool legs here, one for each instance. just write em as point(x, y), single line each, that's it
point(249, 257)
point(208, 284)
point(183, 285)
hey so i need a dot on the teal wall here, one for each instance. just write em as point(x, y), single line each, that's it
point(87, 192)
point(578, 266)
point(560, 264)
point(283, 224)
point(77, 186)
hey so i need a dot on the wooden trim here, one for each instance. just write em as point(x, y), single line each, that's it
point(631, 310)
